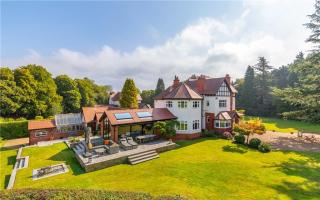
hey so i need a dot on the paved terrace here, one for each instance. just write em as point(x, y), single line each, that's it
point(121, 157)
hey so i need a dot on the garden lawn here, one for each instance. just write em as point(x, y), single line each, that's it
point(8, 159)
point(200, 169)
point(287, 126)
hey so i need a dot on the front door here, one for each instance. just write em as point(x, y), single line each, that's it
point(209, 121)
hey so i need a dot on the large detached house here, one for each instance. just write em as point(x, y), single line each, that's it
point(200, 103)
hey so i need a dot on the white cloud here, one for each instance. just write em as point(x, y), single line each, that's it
point(265, 28)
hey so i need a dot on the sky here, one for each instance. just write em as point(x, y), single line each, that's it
point(111, 41)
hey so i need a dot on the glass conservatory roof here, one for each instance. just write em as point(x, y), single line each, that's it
point(68, 119)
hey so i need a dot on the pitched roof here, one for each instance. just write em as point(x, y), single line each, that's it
point(158, 114)
point(90, 112)
point(116, 97)
point(182, 91)
point(41, 124)
point(226, 115)
point(210, 85)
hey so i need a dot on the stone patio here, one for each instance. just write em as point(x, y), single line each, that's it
point(121, 157)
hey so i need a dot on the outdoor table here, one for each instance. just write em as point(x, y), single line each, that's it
point(144, 138)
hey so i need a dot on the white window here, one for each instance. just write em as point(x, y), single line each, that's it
point(41, 133)
point(222, 103)
point(222, 123)
point(182, 104)
point(169, 104)
point(195, 124)
point(196, 104)
point(182, 125)
point(208, 103)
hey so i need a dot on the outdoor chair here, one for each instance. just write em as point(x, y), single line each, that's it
point(112, 147)
point(132, 143)
point(124, 144)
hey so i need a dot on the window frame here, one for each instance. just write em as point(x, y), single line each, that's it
point(41, 133)
point(182, 104)
point(222, 123)
point(196, 124)
point(169, 104)
point(195, 104)
point(182, 126)
point(222, 103)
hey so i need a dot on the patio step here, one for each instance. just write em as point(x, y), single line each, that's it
point(143, 156)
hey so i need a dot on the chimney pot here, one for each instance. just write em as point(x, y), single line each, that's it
point(176, 81)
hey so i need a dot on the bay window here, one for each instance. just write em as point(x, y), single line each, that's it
point(222, 123)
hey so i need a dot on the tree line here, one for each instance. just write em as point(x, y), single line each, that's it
point(30, 91)
point(291, 91)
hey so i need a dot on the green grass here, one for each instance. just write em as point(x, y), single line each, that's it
point(200, 169)
point(8, 159)
point(287, 126)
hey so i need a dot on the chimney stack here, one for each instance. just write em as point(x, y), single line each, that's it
point(176, 81)
point(200, 83)
point(228, 79)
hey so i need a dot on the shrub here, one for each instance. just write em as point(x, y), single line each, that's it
point(74, 194)
point(38, 118)
point(264, 148)
point(207, 133)
point(239, 138)
point(254, 143)
point(14, 129)
point(227, 135)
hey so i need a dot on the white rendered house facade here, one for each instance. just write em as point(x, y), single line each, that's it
point(200, 103)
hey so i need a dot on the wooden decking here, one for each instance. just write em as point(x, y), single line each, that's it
point(122, 156)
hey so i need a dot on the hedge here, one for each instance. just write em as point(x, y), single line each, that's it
point(74, 194)
point(14, 129)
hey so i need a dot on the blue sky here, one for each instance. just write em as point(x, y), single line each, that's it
point(109, 41)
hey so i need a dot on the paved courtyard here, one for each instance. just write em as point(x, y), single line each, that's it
point(288, 141)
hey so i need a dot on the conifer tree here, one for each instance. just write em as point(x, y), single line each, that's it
point(314, 26)
point(160, 87)
point(129, 94)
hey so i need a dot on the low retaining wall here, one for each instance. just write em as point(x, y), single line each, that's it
point(89, 167)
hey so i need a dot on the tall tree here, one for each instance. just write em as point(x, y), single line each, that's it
point(48, 101)
point(314, 26)
point(86, 89)
point(10, 93)
point(160, 87)
point(304, 96)
point(129, 94)
point(262, 84)
point(67, 88)
point(247, 93)
point(147, 96)
point(102, 94)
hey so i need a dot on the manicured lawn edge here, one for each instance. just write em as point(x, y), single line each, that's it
point(36, 194)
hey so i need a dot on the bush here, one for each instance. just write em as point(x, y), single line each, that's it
point(239, 138)
point(264, 148)
point(38, 118)
point(74, 194)
point(227, 135)
point(254, 143)
point(207, 133)
point(14, 129)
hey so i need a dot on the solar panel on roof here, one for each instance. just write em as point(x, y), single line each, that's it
point(120, 116)
point(144, 114)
